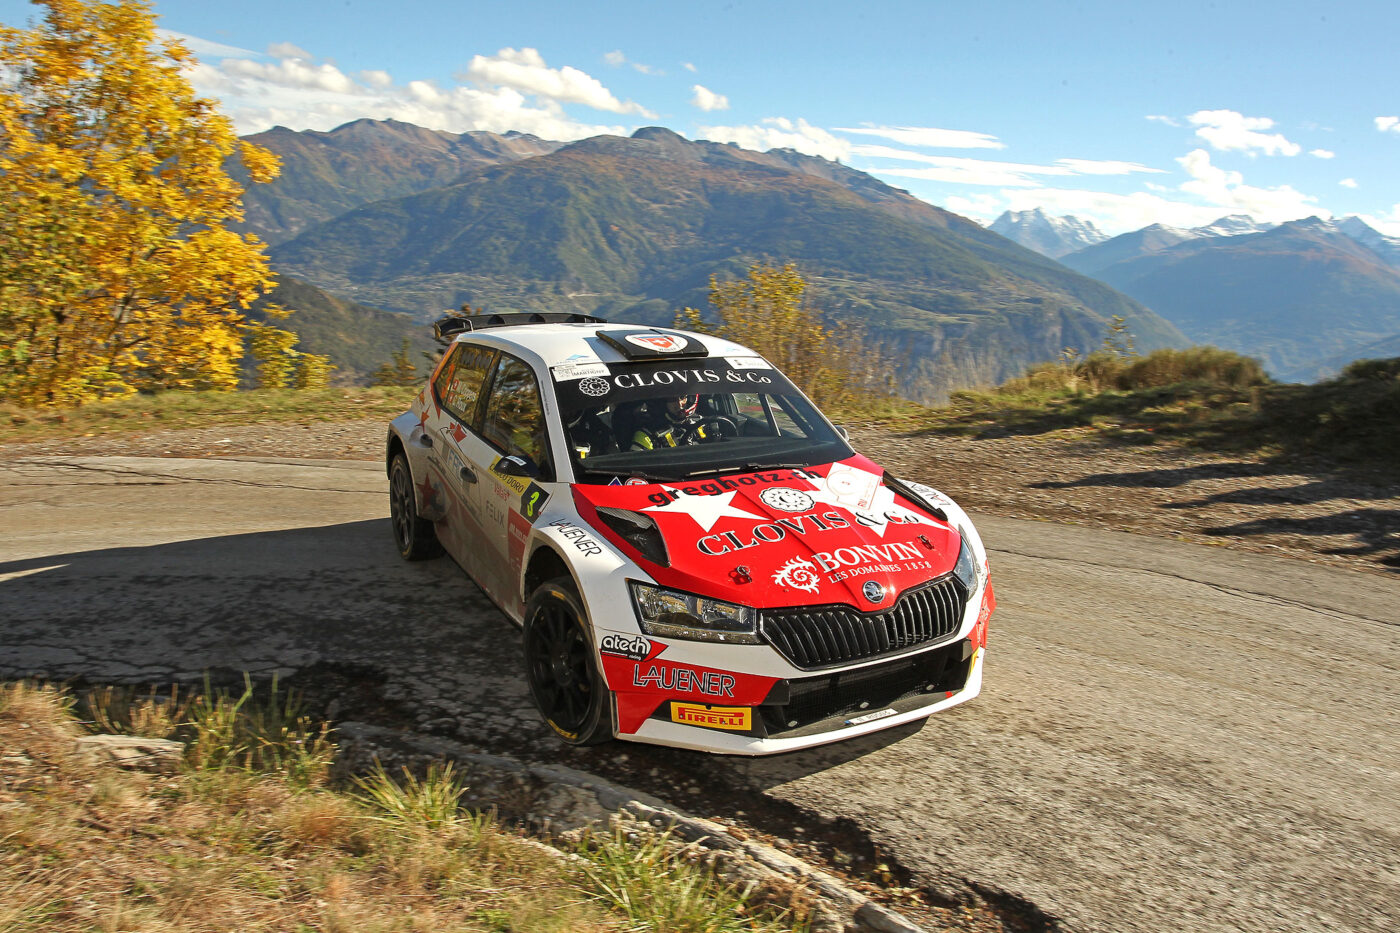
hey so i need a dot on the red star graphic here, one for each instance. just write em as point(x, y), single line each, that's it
point(427, 492)
point(458, 433)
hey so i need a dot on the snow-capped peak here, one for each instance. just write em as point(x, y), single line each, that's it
point(1047, 235)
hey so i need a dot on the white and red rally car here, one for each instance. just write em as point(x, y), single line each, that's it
point(696, 555)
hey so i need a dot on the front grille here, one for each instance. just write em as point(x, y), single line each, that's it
point(814, 637)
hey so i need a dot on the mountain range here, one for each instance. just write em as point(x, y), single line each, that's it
point(634, 227)
point(1305, 297)
point(326, 174)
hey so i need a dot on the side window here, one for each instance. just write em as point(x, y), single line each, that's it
point(458, 385)
point(514, 419)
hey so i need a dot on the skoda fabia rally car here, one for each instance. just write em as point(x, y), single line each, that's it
point(696, 555)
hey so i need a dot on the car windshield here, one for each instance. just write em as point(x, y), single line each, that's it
point(672, 420)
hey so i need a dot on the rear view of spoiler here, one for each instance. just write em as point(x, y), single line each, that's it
point(449, 326)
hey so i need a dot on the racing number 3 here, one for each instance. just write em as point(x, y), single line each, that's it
point(532, 500)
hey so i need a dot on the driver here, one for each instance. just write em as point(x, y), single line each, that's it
point(667, 422)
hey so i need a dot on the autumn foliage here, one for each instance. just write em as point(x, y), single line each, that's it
point(117, 268)
point(768, 311)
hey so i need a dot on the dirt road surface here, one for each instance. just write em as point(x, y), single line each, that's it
point(1171, 736)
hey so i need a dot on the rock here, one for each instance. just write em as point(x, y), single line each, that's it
point(872, 916)
point(133, 752)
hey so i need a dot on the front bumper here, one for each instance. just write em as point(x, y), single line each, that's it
point(830, 708)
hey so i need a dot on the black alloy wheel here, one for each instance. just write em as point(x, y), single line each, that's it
point(559, 665)
point(415, 537)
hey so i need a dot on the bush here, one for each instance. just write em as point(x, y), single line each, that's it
point(1212, 366)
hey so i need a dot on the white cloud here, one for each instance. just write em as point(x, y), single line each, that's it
point(1389, 223)
point(928, 137)
point(987, 172)
point(1213, 192)
point(977, 172)
point(1388, 124)
point(1228, 130)
point(288, 50)
point(1322, 153)
point(525, 70)
point(1106, 167)
point(300, 95)
point(781, 133)
point(708, 100)
point(983, 208)
point(1158, 118)
point(1347, 182)
point(688, 67)
point(617, 60)
point(291, 73)
point(1227, 189)
point(377, 78)
point(204, 48)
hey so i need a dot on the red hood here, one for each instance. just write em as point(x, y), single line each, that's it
point(806, 537)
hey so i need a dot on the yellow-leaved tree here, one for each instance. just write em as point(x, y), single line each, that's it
point(767, 311)
point(117, 269)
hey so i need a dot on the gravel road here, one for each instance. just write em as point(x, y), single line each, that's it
point(1296, 509)
point(1171, 736)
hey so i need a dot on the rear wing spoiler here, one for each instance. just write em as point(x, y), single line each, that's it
point(449, 326)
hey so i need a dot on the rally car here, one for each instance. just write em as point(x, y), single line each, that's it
point(696, 555)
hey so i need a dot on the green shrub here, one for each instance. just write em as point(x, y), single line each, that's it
point(1210, 366)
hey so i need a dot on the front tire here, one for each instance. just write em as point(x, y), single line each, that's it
point(559, 665)
point(414, 536)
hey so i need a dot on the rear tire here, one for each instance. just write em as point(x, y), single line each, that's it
point(415, 536)
point(560, 667)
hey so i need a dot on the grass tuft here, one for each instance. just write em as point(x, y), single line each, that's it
point(657, 884)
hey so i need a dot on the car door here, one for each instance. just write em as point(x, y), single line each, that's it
point(513, 425)
point(452, 423)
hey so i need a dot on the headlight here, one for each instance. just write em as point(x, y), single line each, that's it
point(966, 568)
point(674, 614)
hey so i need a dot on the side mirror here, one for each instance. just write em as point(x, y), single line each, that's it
point(845, 435)
point(512, 465)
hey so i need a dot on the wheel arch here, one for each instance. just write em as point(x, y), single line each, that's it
point(545, 564)
point(392, 449)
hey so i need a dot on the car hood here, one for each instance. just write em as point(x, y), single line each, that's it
point(827, 534)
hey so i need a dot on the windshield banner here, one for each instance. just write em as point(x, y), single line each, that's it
point(628, 382)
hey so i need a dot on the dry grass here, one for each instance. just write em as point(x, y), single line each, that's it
point(225, 846)
point(166, 410)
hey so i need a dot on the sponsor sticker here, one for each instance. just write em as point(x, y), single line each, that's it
point(786, 499)
point(595, 386)
point(871, 717)
point(852, 488)
point(798, 574)
point(683, 680)
point(517, 484)
point(732, 718)
point(747, 362)
point(569, 372)
point(581, 539)
point(634, 647)
point(662, 343)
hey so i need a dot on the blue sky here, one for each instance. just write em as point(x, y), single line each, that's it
point(1109, 111)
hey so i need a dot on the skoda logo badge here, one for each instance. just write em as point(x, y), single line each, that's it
point(873, 591)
